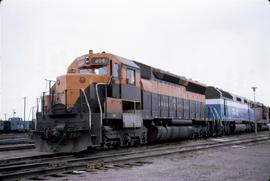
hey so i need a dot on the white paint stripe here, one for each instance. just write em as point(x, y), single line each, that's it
point(227, 102)
point(214, 101)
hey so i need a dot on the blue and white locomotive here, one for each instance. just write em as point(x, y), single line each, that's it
point(234, 112)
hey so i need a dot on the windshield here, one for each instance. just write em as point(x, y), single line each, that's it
point(98, 71)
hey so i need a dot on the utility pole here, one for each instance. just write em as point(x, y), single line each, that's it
point(5, 116)
point(255, 121)
point(24, 109)
point(33, 120)
point(33, 108)
point(37, 104)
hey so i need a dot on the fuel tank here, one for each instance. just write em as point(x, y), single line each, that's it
point(161, 133)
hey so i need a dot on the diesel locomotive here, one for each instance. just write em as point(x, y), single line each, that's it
point(105, 101)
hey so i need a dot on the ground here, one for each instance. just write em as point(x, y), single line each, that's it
point(247, 162)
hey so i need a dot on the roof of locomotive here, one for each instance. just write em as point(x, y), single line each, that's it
point(126, 61)
point(148, 72)
point(214, 92)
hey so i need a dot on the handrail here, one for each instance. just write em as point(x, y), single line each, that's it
point(89, 108)
point(99, 103)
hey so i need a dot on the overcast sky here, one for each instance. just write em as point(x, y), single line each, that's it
point(220, 43)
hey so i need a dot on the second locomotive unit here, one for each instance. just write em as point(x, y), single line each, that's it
point(105, 100)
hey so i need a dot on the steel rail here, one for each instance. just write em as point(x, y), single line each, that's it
point(16, 147)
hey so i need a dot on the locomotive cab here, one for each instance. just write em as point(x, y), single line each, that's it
point(97, 69)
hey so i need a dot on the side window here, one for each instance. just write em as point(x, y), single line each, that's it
point(130, 76)
point(225, 108)
point(116, 73)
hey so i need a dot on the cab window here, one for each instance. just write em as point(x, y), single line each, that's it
point(98, 71)
point(86, 71)
point(101, 71)
point(130, 76)
point(116, 71)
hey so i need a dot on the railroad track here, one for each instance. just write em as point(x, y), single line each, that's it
point(15, 143)
point(13, 136)
point(50, 164)
point(16, 147)
point(51, 156)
